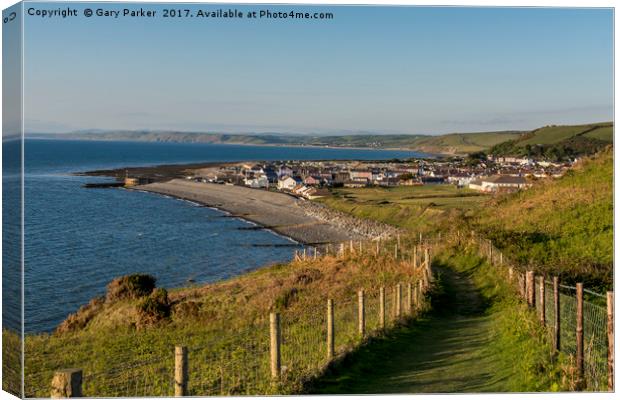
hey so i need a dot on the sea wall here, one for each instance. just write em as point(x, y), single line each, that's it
point(364, 227)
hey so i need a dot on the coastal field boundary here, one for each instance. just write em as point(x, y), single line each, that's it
point(579, 322)
point(279, 352)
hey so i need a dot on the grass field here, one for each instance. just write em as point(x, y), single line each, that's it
point(225, 326)
point(463, 143)
point(558, 142)
point(419, 208)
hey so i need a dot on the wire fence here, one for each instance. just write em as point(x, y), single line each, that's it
point(597, 374)
point(241, 361)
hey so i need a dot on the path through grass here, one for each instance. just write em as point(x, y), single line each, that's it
point(453, 349)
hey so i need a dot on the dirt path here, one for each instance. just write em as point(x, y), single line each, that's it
point(444, 352)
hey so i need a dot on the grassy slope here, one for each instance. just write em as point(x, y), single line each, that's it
point(210, 316)
point(563, 226)
point(555, 134)
point(477, 338)
point(558, 141)
point(419, 208)
point(460, 143)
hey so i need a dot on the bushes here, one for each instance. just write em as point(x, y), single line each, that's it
point(130, 287)
point(154, 308)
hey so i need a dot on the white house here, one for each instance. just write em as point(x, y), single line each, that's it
point(499, 183)
point(287, 183)
point(258, 182)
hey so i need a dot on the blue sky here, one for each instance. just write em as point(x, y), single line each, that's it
point(383, 69)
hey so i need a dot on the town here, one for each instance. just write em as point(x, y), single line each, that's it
point(312, 179)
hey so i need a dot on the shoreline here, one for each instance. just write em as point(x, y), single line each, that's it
point(226, 213)
point(424, 154)
point(276, 212)
point(299, 220)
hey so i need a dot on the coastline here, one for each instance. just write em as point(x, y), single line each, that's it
point(302, 221)
point(277, 212)
point(423, 154)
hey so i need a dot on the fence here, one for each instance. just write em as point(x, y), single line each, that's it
point(581, 329)
point(276, 354)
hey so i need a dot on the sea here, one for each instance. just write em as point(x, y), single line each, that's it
point(76, 240)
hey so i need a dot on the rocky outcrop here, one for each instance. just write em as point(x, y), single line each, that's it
point(363, 227)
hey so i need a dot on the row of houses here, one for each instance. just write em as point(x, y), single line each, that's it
point(309, 178)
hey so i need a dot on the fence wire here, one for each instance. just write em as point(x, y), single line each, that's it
point(234, 360)
point(594, 317)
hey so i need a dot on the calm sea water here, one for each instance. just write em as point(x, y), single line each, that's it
point(77, 240)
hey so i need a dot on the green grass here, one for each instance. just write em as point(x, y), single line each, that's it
point(225, 327)
point(463, 143)
point(477, 338)
point(417, 208)
point(562, 227)
point(558, 143)
point(605, 133)
point(552, 134)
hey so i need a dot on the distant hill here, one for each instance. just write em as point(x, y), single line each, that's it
point(558, 142)
point(562, 226)
point(454, 143)
point(552, 141)
point(460, 143)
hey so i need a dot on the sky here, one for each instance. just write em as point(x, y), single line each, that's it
point(369, 69)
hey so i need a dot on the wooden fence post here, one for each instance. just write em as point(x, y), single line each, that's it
point(275, 336)
point(420, 293)
point(180, 371)
point(415, 297)
point(579, 332)
point(377, 250)
point(315, 251)
point(541, 289)
point(610, 341)
point(556, 314)
point(523, 288)
point(330, 329)
point(351, 246)
point(510, 274)
point(530, 286)
point(397, 300)
point(395, 252)
point(382, 307)
point(409, 298)
point(361, 313)
point(67, 383)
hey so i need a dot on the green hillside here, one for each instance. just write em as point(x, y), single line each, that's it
point(563, 226)
point(459, 143)
point(558, 142)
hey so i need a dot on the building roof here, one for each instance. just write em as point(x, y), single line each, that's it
point(505, 179)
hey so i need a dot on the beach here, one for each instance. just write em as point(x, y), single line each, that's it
point(278, 212)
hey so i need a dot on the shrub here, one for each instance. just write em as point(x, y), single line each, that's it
point(154, 308)
point(130, 287)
